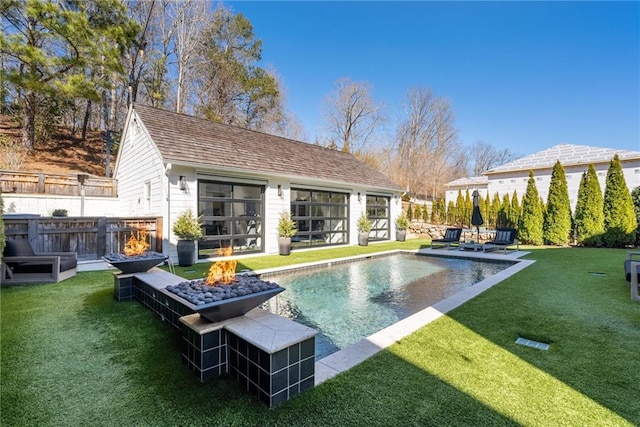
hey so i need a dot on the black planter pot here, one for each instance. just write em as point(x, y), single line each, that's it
point(401, 235)
point(186, 252)
point(284, 245)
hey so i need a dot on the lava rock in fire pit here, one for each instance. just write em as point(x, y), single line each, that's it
point(198, 292)
point(115, 257)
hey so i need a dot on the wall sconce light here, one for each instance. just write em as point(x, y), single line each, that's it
point(183, 183)
point(279, 190)
point(359, 197)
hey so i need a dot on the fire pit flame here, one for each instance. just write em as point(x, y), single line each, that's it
point(136, 246)
point(222, 271)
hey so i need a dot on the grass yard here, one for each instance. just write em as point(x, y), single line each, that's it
point(71, 355)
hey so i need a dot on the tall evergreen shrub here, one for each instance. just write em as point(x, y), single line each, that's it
point(515, 209)
point(635, 196)
point(409, 213)
point(451, 213)
point(620, 222)
point(495, 208)
point(486, 211)
point(459, 208)
point(503, 212)
point(588, 217)
point(557, 219)
point(531, 221)
point(468, 209)
point(425, 212)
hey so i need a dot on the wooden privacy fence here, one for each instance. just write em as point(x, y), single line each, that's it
point(90, 237)
point(62, 185)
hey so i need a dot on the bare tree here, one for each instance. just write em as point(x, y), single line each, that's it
point(427, 153)
point(485, 156)
point(189, 18)
point(352, 115)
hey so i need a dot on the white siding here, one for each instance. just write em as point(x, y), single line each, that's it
point(44, 205)
point(507, 182)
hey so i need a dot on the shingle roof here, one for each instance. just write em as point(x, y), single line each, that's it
point(474, 180)
point(191, 140)
point(568, 154)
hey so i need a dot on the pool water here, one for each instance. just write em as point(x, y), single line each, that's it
point(348, 302)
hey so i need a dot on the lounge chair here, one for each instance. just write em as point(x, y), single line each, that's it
point(451, 238)
point(504, 239)
point(633, 260)
point(21, 265)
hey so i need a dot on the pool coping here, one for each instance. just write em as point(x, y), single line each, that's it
point(345, 359)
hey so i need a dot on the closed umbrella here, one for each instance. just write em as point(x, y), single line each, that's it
point(476, 216)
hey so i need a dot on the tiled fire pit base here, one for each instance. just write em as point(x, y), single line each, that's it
point(273, 357)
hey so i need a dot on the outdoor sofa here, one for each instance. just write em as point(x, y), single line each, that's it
point(22, 265)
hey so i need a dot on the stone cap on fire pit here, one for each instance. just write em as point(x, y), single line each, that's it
point(267, 331)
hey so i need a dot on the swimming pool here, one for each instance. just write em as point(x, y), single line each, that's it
point(350, 301)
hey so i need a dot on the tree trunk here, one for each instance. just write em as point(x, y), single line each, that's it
point(29, 129)
point(85, 122)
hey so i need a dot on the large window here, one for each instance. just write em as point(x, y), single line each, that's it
point(378, 214)
point(322, 217)
point(231, 216)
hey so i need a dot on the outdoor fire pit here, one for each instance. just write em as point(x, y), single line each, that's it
point(224, 301)
point(136, 258)
point(140, 263)
point(223, 294)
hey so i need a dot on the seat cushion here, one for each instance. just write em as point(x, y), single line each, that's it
point(627, 271)
point(36, 267)
point(18, 247)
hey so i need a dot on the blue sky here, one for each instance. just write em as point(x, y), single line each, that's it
point(519, 75)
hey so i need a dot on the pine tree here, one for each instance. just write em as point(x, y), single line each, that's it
point(425, 212)
point(557, 221)
point(409, 213)
point(619, 218)
point(531, 220)
point(589, 217)
point(515, 209)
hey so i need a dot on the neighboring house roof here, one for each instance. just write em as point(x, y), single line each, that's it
point(568, 154)
point(198, 142)
point(474, 180)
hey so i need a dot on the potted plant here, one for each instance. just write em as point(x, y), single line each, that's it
point(364, 227)
point(402, 223)
point(286, 230)
point(187, 228)
point(59, 212)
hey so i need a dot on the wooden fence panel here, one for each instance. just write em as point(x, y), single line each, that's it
point(61, 185)
point(90, 237)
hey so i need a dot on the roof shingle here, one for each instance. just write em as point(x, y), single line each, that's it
point(568, 154)
point(191, 140)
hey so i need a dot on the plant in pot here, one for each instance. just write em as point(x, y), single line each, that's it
point(402, 223)
point(364, 227)
point(286, 230)
point(187, 228)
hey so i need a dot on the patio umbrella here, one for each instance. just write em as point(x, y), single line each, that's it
point(476, 216)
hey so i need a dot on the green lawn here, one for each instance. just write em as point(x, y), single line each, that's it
point(71, 355)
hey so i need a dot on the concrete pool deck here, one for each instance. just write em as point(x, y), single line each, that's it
point(349, 357)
